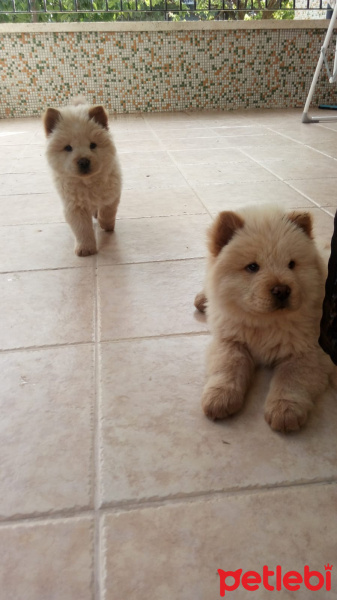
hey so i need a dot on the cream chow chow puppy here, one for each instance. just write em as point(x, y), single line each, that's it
point(263, 298)
point(83, 158)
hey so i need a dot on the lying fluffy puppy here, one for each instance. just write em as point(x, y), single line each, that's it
point(264, 290)
point(86, 171)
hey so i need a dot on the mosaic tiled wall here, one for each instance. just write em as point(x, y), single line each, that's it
point(160, 71)
point(307, 14)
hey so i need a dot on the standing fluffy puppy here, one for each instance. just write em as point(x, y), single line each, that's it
point(86, 170)
point(264, 290)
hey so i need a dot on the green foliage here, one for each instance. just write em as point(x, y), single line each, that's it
point(58, 11)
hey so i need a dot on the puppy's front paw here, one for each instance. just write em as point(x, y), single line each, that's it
point(219, 403)
point(107, 226)
point(285, 415)
point(83, 251)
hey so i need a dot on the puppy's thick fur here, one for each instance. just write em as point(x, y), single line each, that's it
point(263, 298)
point(86, 170)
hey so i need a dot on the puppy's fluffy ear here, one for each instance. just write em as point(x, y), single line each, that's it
point(302, 220)
point(222, 230)
point(50, 118)
point(99, 115)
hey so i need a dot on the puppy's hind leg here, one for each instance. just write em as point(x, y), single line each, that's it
point(107, 216)
point(230, 371)
point(80, 222)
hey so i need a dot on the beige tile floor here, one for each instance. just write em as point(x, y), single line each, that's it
point(113, 485)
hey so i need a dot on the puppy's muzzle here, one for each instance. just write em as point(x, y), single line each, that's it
point(83, 165)
point(281, 294)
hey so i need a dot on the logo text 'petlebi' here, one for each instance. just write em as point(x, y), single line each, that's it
point(290, 580)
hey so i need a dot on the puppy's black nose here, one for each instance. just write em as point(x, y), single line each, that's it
point(281, 292)
point(84, 165)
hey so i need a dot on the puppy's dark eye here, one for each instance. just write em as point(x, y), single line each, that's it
point(93, 146)
point(291, 264)
point(68, 148)
point(252, 268)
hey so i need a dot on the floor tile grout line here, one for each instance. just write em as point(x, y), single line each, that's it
point(96, 442)
point(288, 183)
point(32, 224)
point(325, 209)
point(91, 342)
point(81, 512)
point(305, 144)
point(326, 126)
point(155, 261)
point(186, 214)
point(161, 501)
point(321, 152)
point(158, 131)
point(183, 175)
point(259, 163)
point(157, 337)
point(194, 189)
point(143, 503)
point(117, 264)
point(44, 270)
point(316, 204)
point(45, 347)
point(118, 220)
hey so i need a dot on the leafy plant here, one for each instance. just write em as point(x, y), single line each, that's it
point(57, 11)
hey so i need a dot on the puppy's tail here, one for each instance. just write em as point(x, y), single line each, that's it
point(78, 100)
point(200, 302)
